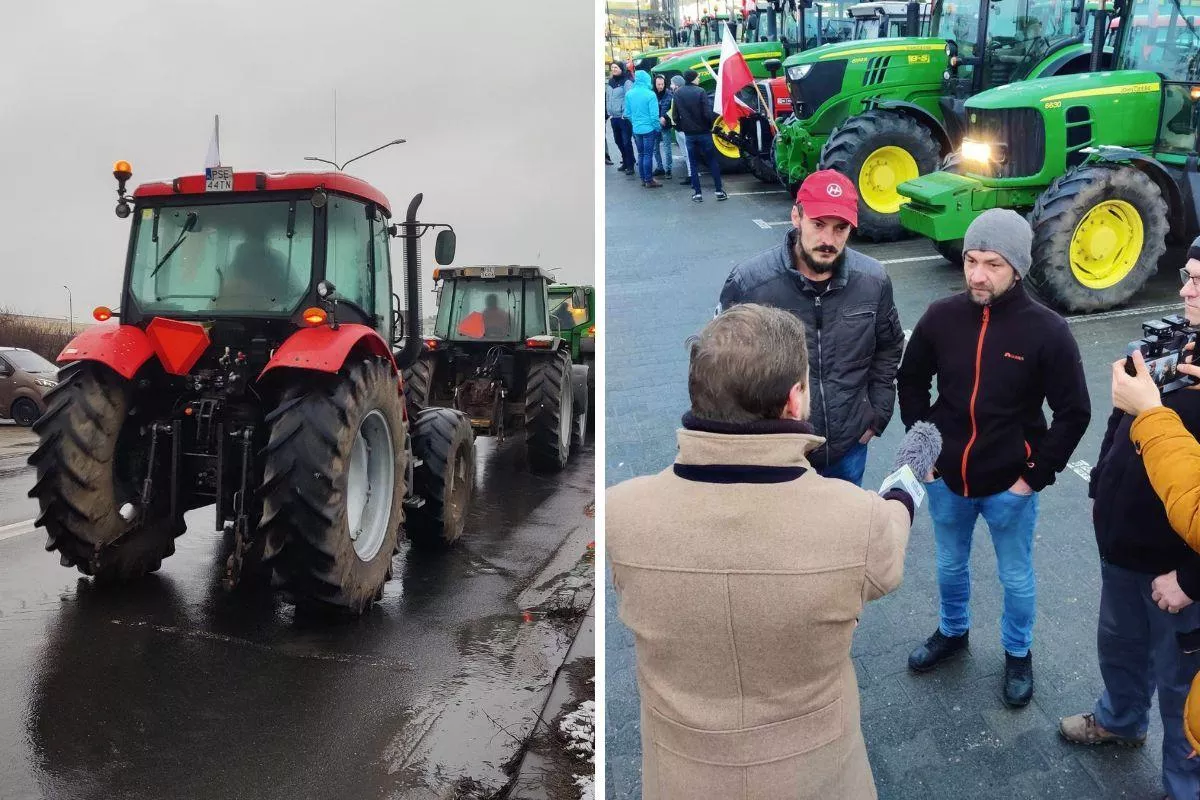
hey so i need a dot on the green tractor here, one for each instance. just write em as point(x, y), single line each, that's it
point(884, 112)
point(573, 317)
point(770, 33)
point(496, 355)
point(1104, 164)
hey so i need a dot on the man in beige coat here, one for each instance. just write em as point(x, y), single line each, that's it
point(742, 573)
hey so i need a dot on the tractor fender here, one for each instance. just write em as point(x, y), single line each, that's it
point(325, 349)
point(922, 117)
point(122, 348)
point(1154, 170)
point(579, 384)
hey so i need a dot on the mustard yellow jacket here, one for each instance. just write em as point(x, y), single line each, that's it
point(1172, 459)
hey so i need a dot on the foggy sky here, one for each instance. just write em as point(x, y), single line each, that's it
point(496, 100)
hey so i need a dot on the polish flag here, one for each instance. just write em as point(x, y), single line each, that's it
point(733, 75)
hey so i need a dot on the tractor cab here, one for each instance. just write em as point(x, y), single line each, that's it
point(887, 19)
point(491, 304)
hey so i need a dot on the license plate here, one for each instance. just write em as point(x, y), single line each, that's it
point(218, 179)
point(488, 272)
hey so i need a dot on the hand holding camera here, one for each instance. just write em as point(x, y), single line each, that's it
point(1156, 364)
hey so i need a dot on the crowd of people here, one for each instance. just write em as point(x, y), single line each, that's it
point(651, 118)
point(743, 568)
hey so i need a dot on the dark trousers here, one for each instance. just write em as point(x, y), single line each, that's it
point(623, 136)
point(701, 150)
point(1139, 654)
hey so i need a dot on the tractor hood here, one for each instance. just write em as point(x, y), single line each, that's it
point(1118, 93)
point(914, 47)
point(702, 59)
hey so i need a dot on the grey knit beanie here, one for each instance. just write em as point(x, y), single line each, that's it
point(1002, 231)
point(1194, 250)
point(677, 81)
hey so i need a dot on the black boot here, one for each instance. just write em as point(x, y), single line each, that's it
point(1018, 680)
point(937, 648)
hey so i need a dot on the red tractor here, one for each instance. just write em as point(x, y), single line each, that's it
point(253, 370)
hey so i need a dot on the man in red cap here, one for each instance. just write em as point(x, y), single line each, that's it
point(845, 300)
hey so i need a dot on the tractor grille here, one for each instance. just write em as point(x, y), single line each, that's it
point(822, 82)
point(1021, 131)
point(876, 70)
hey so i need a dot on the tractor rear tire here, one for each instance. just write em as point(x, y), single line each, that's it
point(90, 463)
point(445, 444)
point(1112, 200)
point(548, 413)
point(951, 250)
point(418, 382)
point(859, 141)
point(336, 461)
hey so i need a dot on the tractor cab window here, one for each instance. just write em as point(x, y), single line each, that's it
point(349, 255)
point(1020, 34)
point(1162, 39)
point(867, 27)
point(568, 311)
point(481, 310)
point(383, 271)
point(234, 258)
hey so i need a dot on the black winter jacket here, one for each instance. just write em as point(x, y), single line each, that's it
point(1131, 524)
point(994, 366)
point(854, 339)
point(693, 110)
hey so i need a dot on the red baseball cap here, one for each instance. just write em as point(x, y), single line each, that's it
point(829, 194)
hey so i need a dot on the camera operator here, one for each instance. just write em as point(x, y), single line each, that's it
point(742, 572)
point(1168, 446)
point(1149, 578)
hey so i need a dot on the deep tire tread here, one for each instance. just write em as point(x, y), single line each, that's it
point(548, 377)
point(439, 436)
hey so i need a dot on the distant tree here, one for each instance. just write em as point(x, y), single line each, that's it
point(44, 338)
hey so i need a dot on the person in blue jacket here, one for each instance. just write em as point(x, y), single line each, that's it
point(641, 109)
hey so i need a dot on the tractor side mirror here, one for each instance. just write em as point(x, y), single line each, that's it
point(443, 248)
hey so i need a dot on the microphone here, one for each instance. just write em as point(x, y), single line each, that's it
point(915, 457)
point(919, 449)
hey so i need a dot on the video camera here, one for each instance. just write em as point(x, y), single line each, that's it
point(1162, 347)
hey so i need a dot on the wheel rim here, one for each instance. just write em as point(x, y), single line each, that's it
point(1106, 244)
point(458, 483)
point(25, 413)
point(370, 483)
point(725, 148)
point(564, 420)
point(881, 173)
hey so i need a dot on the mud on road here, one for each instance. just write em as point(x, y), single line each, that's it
point(173, 688)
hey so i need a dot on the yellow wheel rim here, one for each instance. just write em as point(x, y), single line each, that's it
point(1106, 244)
point(727, 149)
point(881, 173)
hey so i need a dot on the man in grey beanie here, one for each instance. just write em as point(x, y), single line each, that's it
point(997, 355)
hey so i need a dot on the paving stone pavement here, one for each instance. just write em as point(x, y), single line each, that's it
point(945, 734)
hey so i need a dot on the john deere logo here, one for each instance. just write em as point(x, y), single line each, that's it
point(833, 190)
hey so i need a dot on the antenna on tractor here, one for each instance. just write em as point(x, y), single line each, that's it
point(342, 166)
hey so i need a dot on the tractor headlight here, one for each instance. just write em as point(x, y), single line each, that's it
point(976, 151)
point(798, 72)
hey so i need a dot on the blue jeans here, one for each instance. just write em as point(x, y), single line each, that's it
point(623, 137)
point(647, 143)
point(1010, 519)
point(700, 149)
point(662, 154)
point(849, 467)
point(1135, 641)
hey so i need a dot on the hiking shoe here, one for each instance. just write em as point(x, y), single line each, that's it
point(653, 184)
point(697, 198)
point(722, 196)
point(1018, 680)
point(937, 648)
point(1083, 729)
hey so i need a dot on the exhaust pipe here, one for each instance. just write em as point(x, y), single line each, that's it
point(412, 274)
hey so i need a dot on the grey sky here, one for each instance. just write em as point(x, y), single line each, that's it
point(496, 100)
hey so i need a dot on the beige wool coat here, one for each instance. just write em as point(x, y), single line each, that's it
point(742, 584)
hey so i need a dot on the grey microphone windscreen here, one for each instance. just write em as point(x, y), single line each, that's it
point(919, 449)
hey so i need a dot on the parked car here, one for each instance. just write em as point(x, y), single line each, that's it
point(25, 377)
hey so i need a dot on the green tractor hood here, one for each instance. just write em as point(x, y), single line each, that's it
point(703, 58)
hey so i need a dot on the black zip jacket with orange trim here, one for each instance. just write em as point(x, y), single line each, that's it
point(995, 365)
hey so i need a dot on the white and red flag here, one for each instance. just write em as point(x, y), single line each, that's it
point(733, 75)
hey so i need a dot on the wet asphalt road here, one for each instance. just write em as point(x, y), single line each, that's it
point(941, 735)
point(171, 688)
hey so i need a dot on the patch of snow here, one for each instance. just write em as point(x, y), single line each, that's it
point(579, 729)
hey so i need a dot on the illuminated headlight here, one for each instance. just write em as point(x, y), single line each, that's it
point(798, 72)
point(45, 382)
point(976, 151)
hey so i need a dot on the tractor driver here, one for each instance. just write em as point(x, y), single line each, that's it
point(496, 321)
point(257, 275)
